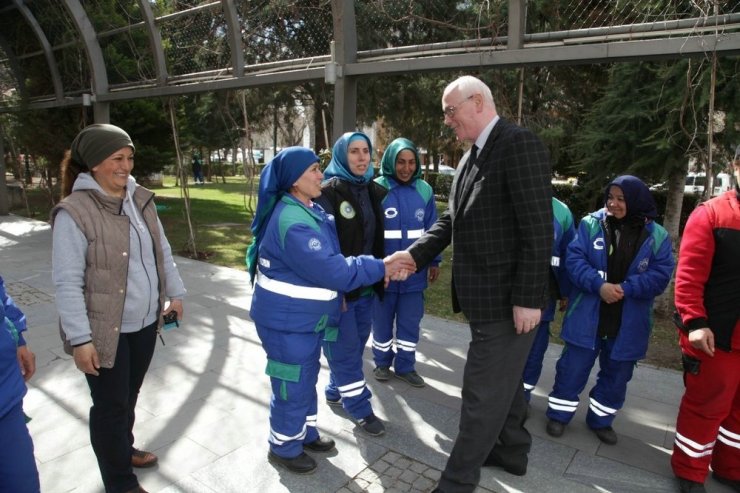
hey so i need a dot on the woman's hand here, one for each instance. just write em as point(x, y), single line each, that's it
point(611, 293)
point(27, 362)
point(176, 305)
point(86, 359)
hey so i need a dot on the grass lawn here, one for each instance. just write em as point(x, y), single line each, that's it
point(221, 215)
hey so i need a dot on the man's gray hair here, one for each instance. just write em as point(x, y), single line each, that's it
point(469, 85)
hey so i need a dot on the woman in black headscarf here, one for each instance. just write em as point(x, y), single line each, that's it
point(619, 262)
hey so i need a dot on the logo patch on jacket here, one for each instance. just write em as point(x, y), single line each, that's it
point(599, 244)
point(643, 265)
point(419, 215)
point(391, 212)
point(346, 210)
point(314, 244)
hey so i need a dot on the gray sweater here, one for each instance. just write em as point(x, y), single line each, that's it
point(68, 270)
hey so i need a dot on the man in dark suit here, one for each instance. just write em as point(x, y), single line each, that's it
point(500, 221)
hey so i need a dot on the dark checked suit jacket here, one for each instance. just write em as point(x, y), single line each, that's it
point(499, 220)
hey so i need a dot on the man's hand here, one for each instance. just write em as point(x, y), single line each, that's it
point(433, 273)
point(86, 359)
point(526, 319)
point(563, 304)
point(611, 293)
point(702, 339)
point(27, 362)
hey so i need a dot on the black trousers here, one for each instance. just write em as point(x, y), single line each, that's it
point(493, 406)
point(114, 393)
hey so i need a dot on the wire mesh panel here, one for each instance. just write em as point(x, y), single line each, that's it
point(397, 23)
point(563, 15)
point(196, 41)
point(281, 30)
point(26, 48)
point(106, 15)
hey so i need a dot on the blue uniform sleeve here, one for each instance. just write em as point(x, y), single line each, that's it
point(582, 274)
point(13, 313)
point(653, 281)
point(564, 284)
point(309, 254)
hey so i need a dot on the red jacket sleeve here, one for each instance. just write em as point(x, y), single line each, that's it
point(694, 266)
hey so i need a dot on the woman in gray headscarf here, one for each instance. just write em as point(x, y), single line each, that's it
point(114, 272)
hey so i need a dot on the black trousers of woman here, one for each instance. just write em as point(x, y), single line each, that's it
point(114, 393)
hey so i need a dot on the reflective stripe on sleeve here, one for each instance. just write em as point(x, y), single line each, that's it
point(294, 290)
point(397, 234)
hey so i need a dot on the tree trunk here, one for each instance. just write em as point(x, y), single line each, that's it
point(672, 221)
point(182, 173)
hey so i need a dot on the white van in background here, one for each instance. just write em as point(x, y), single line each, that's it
point(695, 183)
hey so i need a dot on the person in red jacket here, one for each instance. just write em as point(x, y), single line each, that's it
point(707, 300)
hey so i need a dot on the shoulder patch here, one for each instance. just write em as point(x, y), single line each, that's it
point(346, 210)
point(294, 214)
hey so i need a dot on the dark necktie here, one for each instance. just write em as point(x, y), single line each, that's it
point(465, 171)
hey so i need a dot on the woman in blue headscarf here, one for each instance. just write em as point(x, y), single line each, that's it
point(299, 277)
point(618, 263)
point(351, 195)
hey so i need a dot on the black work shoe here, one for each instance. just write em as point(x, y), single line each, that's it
point(372, 425)
point(555, 428)
point(732, 483)
point(606, 435)
point(688, 486)
point(382, 373)
point(334, 403)
point(515, 469)
point(412, 378)
point(303, 464)
point(321, 444)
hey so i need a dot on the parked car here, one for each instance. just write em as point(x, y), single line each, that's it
point(695, 183)
point(446, 170)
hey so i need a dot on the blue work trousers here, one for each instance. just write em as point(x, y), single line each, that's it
point(18, 472)
point(533, 368)
point(293, 367)
point(606, 397)
point(346, 378)
point(406, 311)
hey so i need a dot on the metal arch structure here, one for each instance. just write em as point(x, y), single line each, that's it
point(344, 63)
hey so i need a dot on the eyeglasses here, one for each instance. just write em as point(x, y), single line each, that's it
point(449, 112)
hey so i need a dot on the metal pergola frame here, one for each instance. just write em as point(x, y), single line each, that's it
point(343, 67)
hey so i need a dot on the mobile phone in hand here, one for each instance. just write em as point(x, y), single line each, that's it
point(170, 321)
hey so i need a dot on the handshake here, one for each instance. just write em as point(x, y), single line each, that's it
point(399, 266)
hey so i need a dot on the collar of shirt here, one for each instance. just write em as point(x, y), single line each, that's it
point(483, 137)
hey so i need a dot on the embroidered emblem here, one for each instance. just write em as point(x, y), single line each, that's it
point(419, 215)
point(599, 244)
point(643, 265)
point(346, 210)
point(391, 212)
point(314, 244)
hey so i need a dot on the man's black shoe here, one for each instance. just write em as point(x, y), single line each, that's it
point(515, 469)
point(732, 483)
point(555, 428)
point(321, 444)
point(688, 486)
point(303, 464)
